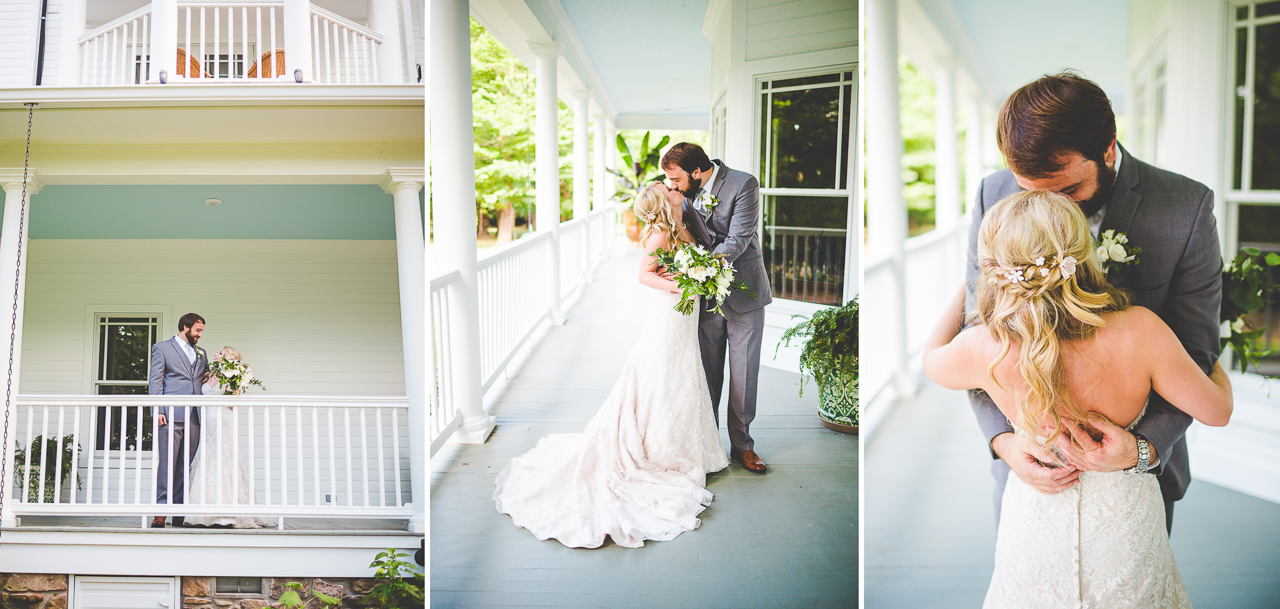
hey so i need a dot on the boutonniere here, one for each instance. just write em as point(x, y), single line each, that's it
point(1114, 254)
point(711, 203)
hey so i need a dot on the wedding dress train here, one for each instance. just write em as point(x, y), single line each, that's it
point(638, 470)
point(210, 464)
point(1099, 545)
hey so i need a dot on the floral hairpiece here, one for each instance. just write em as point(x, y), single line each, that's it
point(1017, 275)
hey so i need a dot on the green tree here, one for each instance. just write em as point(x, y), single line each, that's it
point(503, 105)
point(916, 105)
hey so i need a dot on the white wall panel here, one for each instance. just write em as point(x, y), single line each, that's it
point(776, 28)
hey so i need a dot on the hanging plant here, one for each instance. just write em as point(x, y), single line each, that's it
point(1247, 286)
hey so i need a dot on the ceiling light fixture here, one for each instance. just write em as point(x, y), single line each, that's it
point(213, 202)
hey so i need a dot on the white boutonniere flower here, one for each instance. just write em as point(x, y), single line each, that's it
point(1113, 251)
point(711, 203)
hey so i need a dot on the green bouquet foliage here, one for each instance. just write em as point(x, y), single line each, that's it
point(1246, 285)
point(830, 350)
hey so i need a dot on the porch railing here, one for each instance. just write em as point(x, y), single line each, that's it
point(304, 456)
point(932, 269)
point(229, 42)
point(806, 263)
point(512, 284)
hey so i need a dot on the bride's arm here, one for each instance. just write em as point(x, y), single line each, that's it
point(649, 264)
point(1178, 379)
point(950, 354)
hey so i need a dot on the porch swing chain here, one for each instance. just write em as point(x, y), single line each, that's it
point(17, 284)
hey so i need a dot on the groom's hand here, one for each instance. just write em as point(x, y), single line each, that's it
point(160, 420)
point(1117, 450)
point(1028, 460)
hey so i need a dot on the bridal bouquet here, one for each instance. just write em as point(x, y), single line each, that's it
point(233, 375)
point(699, 273)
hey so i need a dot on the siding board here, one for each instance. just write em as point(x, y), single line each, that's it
point(777, 28)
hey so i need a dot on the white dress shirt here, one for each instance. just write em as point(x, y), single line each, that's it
point(186, 348)
point(1095, 221)
point(704, 194)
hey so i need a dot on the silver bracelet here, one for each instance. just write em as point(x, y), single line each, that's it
point(1144, 457)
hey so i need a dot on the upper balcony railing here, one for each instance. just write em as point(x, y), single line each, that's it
point(232, 42)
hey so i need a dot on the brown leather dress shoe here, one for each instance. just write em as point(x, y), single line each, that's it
point(157, 522)
point(750, 460)
point(179, 521)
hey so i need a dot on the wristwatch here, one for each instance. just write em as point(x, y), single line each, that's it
point(1144, 457)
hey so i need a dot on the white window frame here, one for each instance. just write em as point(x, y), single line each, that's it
point(93, 312)
point(846, 185)
point(1233, 196)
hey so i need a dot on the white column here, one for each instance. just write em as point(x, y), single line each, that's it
point(973, 135)
point(384, 19)
point(164, 40)
point(886, 209)
point(598, 152)
point(16, 219)
point(582, 175)
point(453, 209)
point(70, 58)
point(947, 203)
point(403, 184)
point(297, 39)
point(547, 168)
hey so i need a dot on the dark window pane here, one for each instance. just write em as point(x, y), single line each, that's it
point(238, 585)
point(765, 182)
point(1268, 9)
point(1242, 53)
point(1259, 225)
point(848, 76)
point(807, 80)
point(845, 150)
point(127, 349)
point(1266, 109)
point(803, 146)
point(804, 247)
point(764, 85)
point(103, 434)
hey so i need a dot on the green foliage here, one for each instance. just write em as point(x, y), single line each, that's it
point(291, 598)
point(503, 105)
point(1246, 286)
point(641, 168)
point(916, 103)
point(831, 348)
point(400, 585)
point(40, 447)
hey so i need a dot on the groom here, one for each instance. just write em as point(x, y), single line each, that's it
point(1059, 133)
point(177, 368)
point(721, 210)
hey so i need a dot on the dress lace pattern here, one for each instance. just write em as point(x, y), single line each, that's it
point(218, 456)
point(1101, 544)
point(638, 470)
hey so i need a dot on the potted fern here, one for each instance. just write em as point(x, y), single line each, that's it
point(24, 459)
point(1247, 286)
point(830, 356)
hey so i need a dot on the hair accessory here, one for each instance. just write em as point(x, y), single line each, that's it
point(1015, 276)
point(652, 216)
point(1068, 267)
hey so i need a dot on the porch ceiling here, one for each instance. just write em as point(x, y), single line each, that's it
point(1008, 44)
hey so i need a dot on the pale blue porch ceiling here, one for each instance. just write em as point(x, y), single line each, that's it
point(1018, 41)
point(338, 211)
point(639, 46)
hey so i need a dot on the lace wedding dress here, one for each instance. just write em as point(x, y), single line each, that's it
point(218, 430)
point(638, 471)
point(1101, 544)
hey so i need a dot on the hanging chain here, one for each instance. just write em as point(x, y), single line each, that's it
point(17, 286)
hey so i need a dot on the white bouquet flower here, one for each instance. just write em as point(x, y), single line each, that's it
point(699, 273)
point(233, 375)
point(1114, 253)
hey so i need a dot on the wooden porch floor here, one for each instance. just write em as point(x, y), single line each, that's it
point(788, 538)
point(931, 531)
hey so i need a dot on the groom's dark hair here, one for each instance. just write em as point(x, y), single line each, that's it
point(188, 321)
point(1055, 115)
point(687, 156)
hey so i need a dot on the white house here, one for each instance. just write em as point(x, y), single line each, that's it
point(1192, 83)
point(261, 164)
point(773, 81)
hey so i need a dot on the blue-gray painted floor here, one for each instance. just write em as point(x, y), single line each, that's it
point(930, 531)
point(788, 538)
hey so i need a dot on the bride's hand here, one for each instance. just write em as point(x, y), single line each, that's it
point(1027, 460)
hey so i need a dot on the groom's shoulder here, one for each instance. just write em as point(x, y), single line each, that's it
point(1170, 188)
point(736, 176)
point(997, 186)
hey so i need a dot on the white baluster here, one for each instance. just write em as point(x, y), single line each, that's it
point(57, 470)
point(266, 449)
point(395, 446)
point(124, 438)
point(382, 468)
point(137, 459)
point(217, 43)
point(75, 452)
point(328, 52)
point(302, 474)
point(106, 456)
point(244, 47)
point(262, 73)
point(315, 452)
point(364, 456)
point(146, 47)
point(93, 446)
point(346, 441)
point(235, 450)
point(186, 456)
point(201, 58)
point(274, 69)
point(218, 497)
point(333, 457)
point(253, 444)
point(315, 41)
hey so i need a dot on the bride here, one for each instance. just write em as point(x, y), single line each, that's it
point(638, 471)
point(1056, 349)
point(219, 457)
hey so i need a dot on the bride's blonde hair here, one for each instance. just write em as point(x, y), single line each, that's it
point(1041, 282)
point(652, 208)
point(227, 353)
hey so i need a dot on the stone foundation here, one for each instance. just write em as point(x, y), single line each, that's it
point(28, 591)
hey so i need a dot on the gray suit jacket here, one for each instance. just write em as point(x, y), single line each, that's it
point(172, 374)
point(731, 230)
point(1178, 276)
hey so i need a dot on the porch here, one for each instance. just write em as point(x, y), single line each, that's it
point(783, 539)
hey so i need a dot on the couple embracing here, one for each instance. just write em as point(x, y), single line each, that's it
point(196, 442)
point(638, 470)
point(1088, 359)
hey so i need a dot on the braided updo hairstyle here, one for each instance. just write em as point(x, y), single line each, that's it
point(652, 208)
point(1041, 282)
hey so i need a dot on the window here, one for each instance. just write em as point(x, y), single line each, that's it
point(123, 360)
point(806, 125)
point(238, 585)
point(1254, 198)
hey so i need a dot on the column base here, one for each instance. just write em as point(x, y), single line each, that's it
point(416, 525)
point(474, 431)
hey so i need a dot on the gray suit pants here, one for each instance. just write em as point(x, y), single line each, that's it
point(741, 333)
point(175, 458)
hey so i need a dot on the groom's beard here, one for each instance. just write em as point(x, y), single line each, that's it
point(691, 192)
point(1106, 187)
